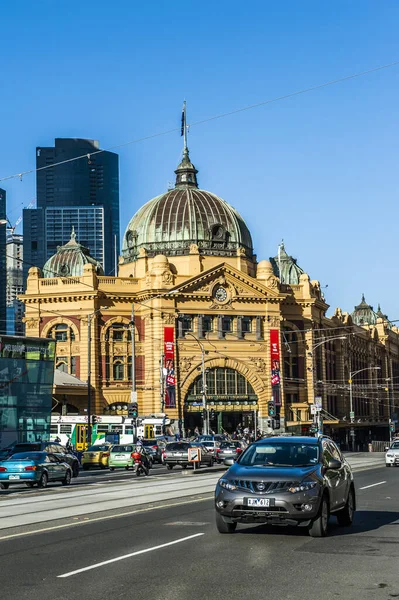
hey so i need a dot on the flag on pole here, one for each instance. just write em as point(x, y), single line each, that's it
point(279, 262)
point(183, 119)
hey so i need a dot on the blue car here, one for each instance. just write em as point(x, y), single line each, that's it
point(34, 468)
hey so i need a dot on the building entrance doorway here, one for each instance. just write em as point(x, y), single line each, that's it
point(230, 399)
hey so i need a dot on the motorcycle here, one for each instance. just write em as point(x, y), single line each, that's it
point(139, 467)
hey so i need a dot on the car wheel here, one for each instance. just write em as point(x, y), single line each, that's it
point(75, 470)
point(102, 467)
point(388, 465)
point(345, 516)
point(184, 466)
point(169, 467)
point(126, 468)
point(319, 527)
point(29, 484)
point(4, 486)
point(42, 483)
point(86, 467)
point(224, 527)
point(113, 468)
point(67, 478)
point(211, 462)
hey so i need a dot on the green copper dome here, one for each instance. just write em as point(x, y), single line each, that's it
point(364, 314)
point(170, 223)
point(69, 260)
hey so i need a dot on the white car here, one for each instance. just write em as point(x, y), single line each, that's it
point(392, 455)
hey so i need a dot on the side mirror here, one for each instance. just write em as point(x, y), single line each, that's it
point(228, 462)
point(334, 464)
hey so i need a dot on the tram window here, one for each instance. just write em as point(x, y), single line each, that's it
point(129, 430)
point(158, 430)
point(53, 428)
point(102, 428)
point(66, 429)
point(116, 428)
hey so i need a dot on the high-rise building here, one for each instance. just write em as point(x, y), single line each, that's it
point(3, 277)
point(14, 262)
point(83, 194)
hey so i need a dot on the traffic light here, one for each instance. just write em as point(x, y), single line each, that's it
point(271, 409)
point(276, 423)
point(213, 414)
point(313, 428)
point(133, 410)
point(94, 420)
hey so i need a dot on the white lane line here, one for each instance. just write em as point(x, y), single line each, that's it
point(372, 485)
point(112, 560)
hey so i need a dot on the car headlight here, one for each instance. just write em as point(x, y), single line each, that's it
point(390, 455)
point(302, 487)
point(227, 485)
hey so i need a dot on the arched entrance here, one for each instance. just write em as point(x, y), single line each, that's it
point(231, 401)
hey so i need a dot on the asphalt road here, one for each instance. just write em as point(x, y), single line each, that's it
point(176, 553)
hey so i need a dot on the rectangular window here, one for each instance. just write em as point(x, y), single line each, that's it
point(187, 323)
point(117, 334)
point(207, 323)
point(246, 324)
point(227, 324)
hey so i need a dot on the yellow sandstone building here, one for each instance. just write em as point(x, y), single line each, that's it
point(205, 310)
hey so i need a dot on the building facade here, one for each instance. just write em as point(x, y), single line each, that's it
point(213, 325)
point(3, 268)
point(81, 193)
point(15, 284)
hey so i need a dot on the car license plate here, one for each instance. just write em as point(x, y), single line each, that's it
point(265, 502)
point(14, 477)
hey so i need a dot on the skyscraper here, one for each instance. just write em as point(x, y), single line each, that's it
point(82, 193)
point(3, 271)
point(14, 262)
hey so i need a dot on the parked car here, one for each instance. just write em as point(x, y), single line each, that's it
point(96, 456)
point(229, 450)
point(34, 468)
point(154, 448)
point(212, 446)
point(53, 448)
point(287, 481)
point(121, 455)
point(176, 453)
point(392, 455)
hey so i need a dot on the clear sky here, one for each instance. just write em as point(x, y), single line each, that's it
point(318, 170)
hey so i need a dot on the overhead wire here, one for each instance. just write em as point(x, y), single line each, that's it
point(313, 88)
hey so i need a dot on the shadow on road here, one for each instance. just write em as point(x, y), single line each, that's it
point(365, 521)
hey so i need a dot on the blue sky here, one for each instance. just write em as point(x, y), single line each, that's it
point(319, 170)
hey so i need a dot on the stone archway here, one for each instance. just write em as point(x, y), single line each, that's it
point(234, 395)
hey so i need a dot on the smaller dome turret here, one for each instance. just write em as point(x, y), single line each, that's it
point(364, 314)
point(264, 269)
point(69, 260)
point(285, 267)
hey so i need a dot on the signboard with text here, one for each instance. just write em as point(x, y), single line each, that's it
point(275, 365)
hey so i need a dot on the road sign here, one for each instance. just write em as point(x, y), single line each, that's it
point(194, 455)
point(313, 409)
point(351, 414)
point(133, 396)
point(318, 402)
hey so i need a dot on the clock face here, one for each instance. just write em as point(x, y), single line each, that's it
point(220, 294)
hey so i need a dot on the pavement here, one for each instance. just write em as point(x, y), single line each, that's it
point(175, 552)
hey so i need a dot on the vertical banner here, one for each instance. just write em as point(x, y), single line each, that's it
point(169, 367)
point(275, 365)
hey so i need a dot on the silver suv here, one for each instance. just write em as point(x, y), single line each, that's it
point(287, 481)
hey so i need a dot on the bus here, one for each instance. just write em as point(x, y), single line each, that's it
point(74, 428)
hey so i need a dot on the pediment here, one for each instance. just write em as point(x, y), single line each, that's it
point(239, 285)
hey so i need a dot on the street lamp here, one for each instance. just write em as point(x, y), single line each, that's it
point(318, 419)
point(204, 407)
point(351, 413)
point(89, 317)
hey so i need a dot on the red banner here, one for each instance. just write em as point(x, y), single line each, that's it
point(275, 365)
point(169, 367)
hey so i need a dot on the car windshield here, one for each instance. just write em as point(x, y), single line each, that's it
point(224, 445)
point(98, 448)
point(28, 456)
point(275, 454)
point(395, 446)
point(177, 446)
point(123, 449)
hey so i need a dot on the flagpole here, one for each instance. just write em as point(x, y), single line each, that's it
point(184, 127)
point(279, 262)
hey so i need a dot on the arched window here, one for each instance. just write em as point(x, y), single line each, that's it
point(62, 333)
point(222, 382)
point(118, 368)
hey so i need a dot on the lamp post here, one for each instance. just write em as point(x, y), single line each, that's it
point(318, 419)
point(351, 413)
point(89, 317)
point(204, 407)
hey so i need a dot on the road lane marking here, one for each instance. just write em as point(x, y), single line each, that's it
point(112, 560)
point(105, 518)
point(366, 487)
